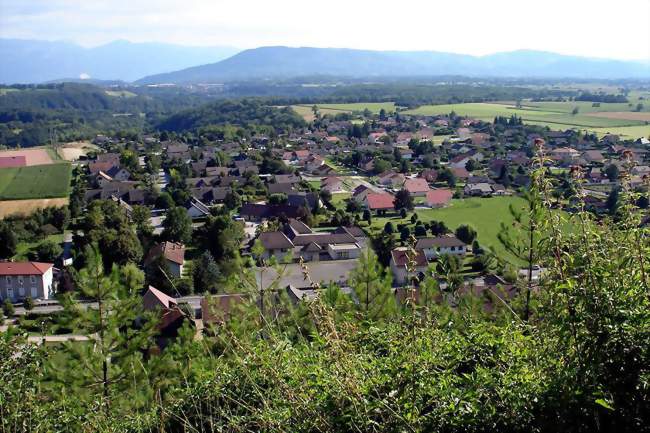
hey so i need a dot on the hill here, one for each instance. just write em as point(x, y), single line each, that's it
point(285, 63)
point(34, 61)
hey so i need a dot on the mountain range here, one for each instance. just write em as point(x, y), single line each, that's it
point(285, 62)
point(32, 61)
point(35, 61)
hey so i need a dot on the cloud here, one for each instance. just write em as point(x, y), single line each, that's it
point(592, 28)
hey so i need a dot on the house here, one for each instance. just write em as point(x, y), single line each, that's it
point(478, 189)
point(459, 161)
point(399, 264)
point(593, 156)
point(332, 184)
point(380, 202)
point(417, 187)
point(435, 247)
point(360, 192)
point(429, 174)
point(173, 254)
point(259, 211)
point(439, 197)
point(298, 241)
point(217, 309)
point(19, 280)
point(197, 209)
point(460, 173)
point(118, 173)
point(392, 179)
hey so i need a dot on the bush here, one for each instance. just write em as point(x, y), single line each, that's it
point(28, 303)
point(8, 308)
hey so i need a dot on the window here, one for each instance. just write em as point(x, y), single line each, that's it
point(32, 279)
point(8, 278)
point(344, 255)
point(21, 280)
point(21, 291)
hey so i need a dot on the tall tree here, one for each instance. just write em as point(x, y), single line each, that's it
point(177, 226)
point(372, 287)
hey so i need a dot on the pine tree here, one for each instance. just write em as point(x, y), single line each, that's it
point(119, 332)
point(373, 288)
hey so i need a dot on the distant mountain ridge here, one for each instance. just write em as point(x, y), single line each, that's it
point(34, 61)
point(284, 62)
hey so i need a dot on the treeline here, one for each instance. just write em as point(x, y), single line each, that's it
point(601, 97)
point(249, 114)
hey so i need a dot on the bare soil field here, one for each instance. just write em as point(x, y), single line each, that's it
point(74, 150)
point(622, 115)
point(25, 207)
point(32, 156)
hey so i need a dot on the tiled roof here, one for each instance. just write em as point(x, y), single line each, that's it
point(24, 268)
point(380, 201)
point(440, 241)
point(439, 196)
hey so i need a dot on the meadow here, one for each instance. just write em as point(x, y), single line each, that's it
point(333, 109)
point(485, 215)
point(556, 115)
point(42, 181)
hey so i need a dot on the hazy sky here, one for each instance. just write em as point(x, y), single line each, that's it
point(597, 28)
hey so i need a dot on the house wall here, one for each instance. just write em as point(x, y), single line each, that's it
point(175, 269)
point(40, 287)
point(348, 253)
point(433, 253)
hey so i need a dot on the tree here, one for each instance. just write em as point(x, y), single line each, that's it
point(612, 172)
point(383, 244)
point(28, 303)
point(48, 251)
point(372, 288)
point(325, 195)
point(177, 226)
point(165, 200)
point(466, 234)
point(279, 198)
point(471, 165)
point(367, 216)
point(8, 241)
point(402, 213)
point(438, 228)
point(404, 233)
point(232, 200)
point(639, 107)
point(206, 273)
point(612, 201)
point(389, 228)
point(420, 231)
point(141, 217)
point(222, 237)
point(114, 362)
point(448, 176)
point(404, 200)
point(575, 111)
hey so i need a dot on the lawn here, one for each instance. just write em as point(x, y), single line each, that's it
point(24, 248)
point(485, 215)
point(339, 199)
point(41, 181)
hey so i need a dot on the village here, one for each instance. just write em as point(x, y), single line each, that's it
point(426, 193)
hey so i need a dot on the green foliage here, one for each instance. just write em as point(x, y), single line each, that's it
point(466, 234)
point(8, 241)
point(404, 200)
point(177, 226)
point(206, 273)
point(28, 303)
point(373, 288)
point(8, 308)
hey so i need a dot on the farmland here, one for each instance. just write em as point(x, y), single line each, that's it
point(36, 182)
point(332, 109)
point(26, 207)
point(600, 119)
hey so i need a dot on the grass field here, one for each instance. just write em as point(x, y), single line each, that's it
point(555, 115)
point(24, 248)
point(43, 181)
point(485, 215)
point(120, 93)
point(333, 109)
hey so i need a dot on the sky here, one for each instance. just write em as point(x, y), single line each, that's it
point(594, 28)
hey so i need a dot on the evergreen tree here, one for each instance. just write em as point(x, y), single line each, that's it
point(206, 273)
point(177, 226)
point(372, 288)
point(119, 331)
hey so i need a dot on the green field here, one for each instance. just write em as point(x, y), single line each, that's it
point(333, 109)
point(555, 115)
point(485, 215)
point(41, 181)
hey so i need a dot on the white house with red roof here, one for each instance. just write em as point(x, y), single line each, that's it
point(173, 253)
point(18, 280)
point(439, 197)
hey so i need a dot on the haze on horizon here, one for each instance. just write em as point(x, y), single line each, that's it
point(585, 28)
